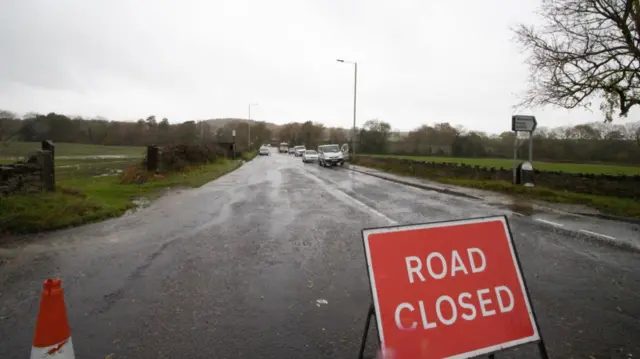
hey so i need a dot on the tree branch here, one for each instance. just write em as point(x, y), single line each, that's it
point(585, 49)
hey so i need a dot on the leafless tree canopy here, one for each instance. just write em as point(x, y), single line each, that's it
point(585, 49)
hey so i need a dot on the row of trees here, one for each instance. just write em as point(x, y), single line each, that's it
point(593, 142)
point(373, 137)
point(61, 128)
point(150, 130)
point(311, 134)
point(597, 142)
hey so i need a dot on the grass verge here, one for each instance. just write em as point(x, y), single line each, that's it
point(89, 199)
point(594, 168)
point(248, 156)
point(622, 207)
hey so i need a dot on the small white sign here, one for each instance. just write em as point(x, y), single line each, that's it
point(233, 133)
point(527, 166)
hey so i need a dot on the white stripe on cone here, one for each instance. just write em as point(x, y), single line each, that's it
point(63, 350)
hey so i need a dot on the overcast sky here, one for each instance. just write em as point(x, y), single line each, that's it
point(419, 61)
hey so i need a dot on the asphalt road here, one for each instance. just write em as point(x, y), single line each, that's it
point(242, 267)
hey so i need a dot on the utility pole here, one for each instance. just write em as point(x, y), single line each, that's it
point(249, 127)
point(355, 96)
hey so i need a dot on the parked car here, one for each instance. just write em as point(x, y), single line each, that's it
point(331, 155)
point(309, 156)
point(299, 151)
point(264, 151)
point(292, 150)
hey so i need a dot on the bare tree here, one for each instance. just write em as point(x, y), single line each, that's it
point(584, 50)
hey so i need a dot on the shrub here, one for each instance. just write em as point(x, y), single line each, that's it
point(134, 174)
point(178, 157)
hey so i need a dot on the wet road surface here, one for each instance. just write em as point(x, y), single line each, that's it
point(267, 262)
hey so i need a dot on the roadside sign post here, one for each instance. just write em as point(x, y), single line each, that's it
point(515, 158)
point(449, 289)
point(520, 123)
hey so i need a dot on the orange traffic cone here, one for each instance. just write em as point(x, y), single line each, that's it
point(52, 338)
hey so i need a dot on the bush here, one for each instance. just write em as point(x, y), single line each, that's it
point(178, 157)
point(134, 174)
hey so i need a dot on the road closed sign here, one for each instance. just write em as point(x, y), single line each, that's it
point(448, 289)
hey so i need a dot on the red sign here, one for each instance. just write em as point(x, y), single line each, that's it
point(448, 289)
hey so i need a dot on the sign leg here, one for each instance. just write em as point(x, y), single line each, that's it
point(543, 350)
point(370, 314)
point(492, 356)
point(515, 156)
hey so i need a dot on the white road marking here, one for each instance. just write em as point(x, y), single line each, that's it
point(549, 222)
point(339, 194)
point(362, 205)
point(518, 214)
point(597, 234)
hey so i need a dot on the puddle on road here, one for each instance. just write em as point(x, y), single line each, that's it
point(139, 204)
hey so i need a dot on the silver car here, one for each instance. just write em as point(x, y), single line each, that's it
point(309, 156)
point(298, 151)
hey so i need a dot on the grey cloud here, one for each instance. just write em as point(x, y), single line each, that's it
point(419, 61)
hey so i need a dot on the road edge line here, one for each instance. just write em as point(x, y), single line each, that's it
point(417, 185)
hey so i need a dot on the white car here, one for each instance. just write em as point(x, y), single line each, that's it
point(309, 156)
point(332, 155)
point(264, 151)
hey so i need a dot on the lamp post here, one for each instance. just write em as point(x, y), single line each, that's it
point(249, 127)
point(355, 92)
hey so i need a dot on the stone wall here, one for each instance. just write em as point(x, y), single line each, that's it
point(21, 177)
point(607, 185)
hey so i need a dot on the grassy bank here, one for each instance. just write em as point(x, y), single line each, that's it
point(622, 207)
point(248, 156)
point(543, 166)
point(82, 199)
point(606, 204)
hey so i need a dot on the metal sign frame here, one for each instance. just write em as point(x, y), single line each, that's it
point(514, 120)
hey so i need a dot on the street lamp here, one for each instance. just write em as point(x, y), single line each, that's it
point(355, 91)
point(249, 126)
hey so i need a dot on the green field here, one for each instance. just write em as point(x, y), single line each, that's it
point(74, 160)
point(20, 149)
point(543, 166)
